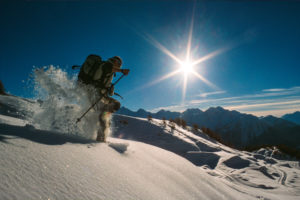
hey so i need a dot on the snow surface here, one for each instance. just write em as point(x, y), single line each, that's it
point(44, 155)
point(43, 164)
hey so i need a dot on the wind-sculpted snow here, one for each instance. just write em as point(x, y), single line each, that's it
point(236, 162)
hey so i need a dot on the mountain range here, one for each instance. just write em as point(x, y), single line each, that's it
point(293, 117)
point(238, 129)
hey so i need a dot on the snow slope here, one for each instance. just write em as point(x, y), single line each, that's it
point(142, 160)
point(35, 165)
point(256, 174)
point(34, 170)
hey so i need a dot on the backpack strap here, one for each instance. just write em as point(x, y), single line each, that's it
point(106, 76)
point(95, 68)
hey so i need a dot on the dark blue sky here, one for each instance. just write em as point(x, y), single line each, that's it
point(260, 67)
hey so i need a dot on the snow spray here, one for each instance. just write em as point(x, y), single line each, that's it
point(62, 100)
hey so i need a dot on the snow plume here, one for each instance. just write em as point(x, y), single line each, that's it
point(62, 101)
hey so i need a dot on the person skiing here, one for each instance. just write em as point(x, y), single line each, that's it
point(97, 75)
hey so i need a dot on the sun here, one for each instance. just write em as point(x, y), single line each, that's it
point(187, 67)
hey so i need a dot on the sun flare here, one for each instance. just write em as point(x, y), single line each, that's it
point(187, 67)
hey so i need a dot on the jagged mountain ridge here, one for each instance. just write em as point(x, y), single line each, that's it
point(143, 113)
point(293, 117)
point(237, 128)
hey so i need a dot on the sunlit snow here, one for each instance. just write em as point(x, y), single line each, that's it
point(45, 155)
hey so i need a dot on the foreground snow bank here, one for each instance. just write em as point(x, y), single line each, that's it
point(118, 170)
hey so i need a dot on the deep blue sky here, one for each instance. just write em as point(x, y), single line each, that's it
point(259, 73)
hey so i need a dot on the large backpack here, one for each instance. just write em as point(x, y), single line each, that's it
point(88, 69)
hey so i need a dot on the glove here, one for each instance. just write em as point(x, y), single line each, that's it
point(125, 71)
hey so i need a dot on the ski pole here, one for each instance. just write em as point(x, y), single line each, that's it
point(118, 80)
point(79, 119)
point(118, 95)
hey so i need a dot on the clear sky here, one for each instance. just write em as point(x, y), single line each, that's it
point(247, 51)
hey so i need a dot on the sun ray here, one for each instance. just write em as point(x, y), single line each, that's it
point(188, 49)
point(205, 80)
point(154, 82)
point(162, 48)
point(210, 55)
point(157, 80)
point(184, 87)
point(163, 78)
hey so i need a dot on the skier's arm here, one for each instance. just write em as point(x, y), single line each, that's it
point(124, 71)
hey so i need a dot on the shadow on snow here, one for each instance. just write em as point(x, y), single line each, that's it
point(40, 136)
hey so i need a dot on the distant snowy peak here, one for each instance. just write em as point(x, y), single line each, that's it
point(139, 113)
point(143, 113)
point(125, 111)
point(166, 114)
point(193, 110)
point(275, 121)
point(294, 117)
point(215, 109)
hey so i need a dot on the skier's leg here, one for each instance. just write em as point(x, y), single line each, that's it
point(112, 105)
point(101, 130)
point(104, 129)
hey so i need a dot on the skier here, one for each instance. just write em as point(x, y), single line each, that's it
point(98, 75)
